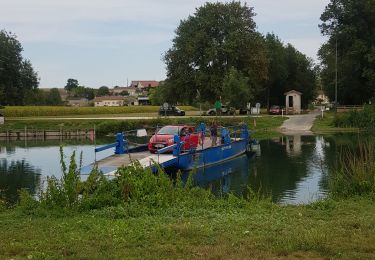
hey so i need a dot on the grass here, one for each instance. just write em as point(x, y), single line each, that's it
point(33, 111)
point(328, 229)
point(327, 125)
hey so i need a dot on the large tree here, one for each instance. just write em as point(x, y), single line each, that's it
point(71, 84)
point(17, 76)
point(350, 25)
point(288, 69)
point(217, 37)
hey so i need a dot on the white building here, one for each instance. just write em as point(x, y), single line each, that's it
point(109, 101)
point(293, 102)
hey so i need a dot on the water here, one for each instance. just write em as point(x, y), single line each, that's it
point(290, 169)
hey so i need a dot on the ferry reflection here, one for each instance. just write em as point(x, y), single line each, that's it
point(229, 176)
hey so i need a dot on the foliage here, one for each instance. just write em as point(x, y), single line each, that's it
point(31, 111)
point(83, 92)
point(349, 26)
point(103, 91)
point(356, 172)
point(288, 70)
point(71, 84)
point(236, 89)
point(17, 76)
point(207, 45)
point(358, 119)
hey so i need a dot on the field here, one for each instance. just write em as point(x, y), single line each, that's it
point(34, 111)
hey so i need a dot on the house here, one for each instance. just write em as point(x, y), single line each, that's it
point(293, 102)
point(143, 101)
point(109, 101)
point(133, 91)
point(322, 98)
point(141, 84)
point(77, 102)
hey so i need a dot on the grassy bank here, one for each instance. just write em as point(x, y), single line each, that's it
point(262, 126)
point(331, 229)
point(33, 111)
point(328, 124)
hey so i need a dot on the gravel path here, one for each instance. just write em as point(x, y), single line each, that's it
point(299, 123)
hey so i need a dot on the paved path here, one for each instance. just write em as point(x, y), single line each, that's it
point(299, 123)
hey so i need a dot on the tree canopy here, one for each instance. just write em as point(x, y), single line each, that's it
point(207, 45)
point(17, 76)
point(71, 84)
point(350, 25)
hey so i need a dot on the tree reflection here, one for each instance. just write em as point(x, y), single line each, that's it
point(16, 175)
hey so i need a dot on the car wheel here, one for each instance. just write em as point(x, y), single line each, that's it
point(212, 113)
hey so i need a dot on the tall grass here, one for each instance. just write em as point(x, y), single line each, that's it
point(357, 119)
point(133, 187)
point(356, 171)
point(31, 111)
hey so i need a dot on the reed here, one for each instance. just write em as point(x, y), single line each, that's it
point(355, 174)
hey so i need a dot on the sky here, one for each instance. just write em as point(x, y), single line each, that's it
point(111, 42)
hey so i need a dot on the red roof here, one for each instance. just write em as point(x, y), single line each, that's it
point(145, 83)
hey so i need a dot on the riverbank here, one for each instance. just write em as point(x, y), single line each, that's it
point(234, 229)
point(263, 127)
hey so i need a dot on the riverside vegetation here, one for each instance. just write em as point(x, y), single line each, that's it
point(139, 214)
point(262, 127)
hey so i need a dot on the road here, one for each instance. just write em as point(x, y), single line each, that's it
point(299, 123)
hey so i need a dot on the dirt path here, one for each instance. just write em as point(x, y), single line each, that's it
point(299, 123)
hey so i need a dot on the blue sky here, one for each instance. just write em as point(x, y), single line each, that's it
point(107, 42)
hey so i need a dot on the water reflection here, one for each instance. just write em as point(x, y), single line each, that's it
point(16, 175)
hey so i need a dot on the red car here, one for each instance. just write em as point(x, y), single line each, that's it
point(275, 110)
point(164, 137)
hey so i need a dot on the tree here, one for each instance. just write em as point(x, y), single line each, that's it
point(208, 44)
point(71, 84)
point(17, 76)
point(236, 89)
point(124, 93)
point(277, 71)
point(53, 97)
point(350, 26)
point(103, 91)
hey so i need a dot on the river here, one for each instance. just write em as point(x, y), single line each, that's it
point(289, 169)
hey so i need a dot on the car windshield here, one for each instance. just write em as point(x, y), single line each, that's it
point(169, 130)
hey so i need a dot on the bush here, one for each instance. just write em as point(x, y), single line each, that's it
point(357, 119)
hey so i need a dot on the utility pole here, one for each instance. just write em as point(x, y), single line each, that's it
point(336, 77)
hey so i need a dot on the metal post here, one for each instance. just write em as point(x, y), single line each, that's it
point(336, 76)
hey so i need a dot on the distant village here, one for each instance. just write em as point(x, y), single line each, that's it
point(134, 95)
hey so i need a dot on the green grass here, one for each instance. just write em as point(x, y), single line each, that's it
point(33, 111)
point(328, 229)
point(327, 125)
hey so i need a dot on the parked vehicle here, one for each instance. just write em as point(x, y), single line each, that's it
point(165, 137)
point(171, 111)
point(275, 110)
point(225, 110)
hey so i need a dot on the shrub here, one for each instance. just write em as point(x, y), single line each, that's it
point(358, 119)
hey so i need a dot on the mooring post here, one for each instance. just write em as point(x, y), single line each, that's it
point(120, 144)
point(177, 148)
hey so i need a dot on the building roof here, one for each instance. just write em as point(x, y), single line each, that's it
point(103, 98)
point(145, 83)
point(292, 92)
